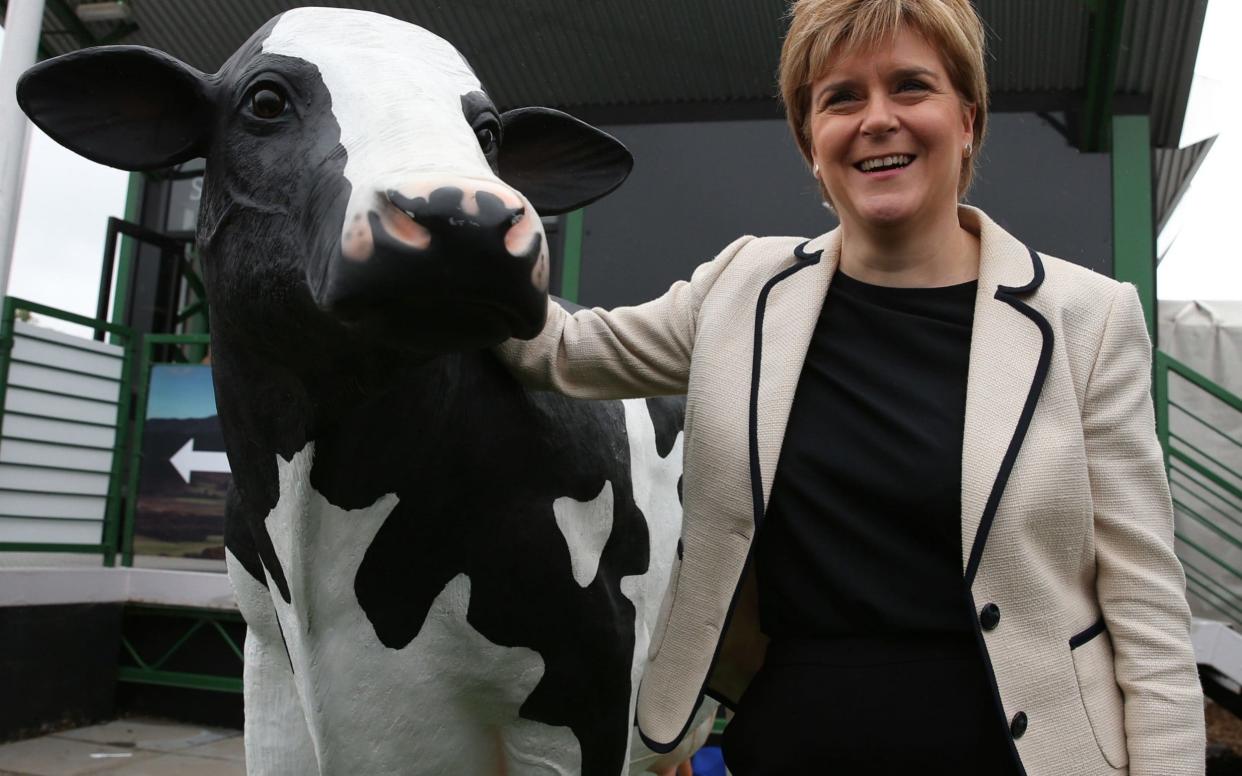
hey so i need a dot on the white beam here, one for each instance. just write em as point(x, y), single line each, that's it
point(22, 26)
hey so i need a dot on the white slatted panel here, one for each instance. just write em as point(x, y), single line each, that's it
point(52, 480)
point(51, 531)
point(41, 351)
point(20, 400)
point(48, 379)
point(52, 505)
point(60, 413)
point(68, 432)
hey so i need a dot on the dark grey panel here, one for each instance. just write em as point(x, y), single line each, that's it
point(1045, 192)
point(696, 187)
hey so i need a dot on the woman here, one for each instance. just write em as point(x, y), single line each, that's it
point(966, 559)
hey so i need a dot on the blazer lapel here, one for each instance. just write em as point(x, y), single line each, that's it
point(1011, 346)
point(785, 315)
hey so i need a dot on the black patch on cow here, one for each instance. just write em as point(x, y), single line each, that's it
point(668, 415)
point(481, 114)
point(274, 199)
point(476, 463)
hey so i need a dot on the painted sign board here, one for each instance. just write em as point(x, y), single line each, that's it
point(185, 474)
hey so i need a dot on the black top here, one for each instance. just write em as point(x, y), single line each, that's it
point(862, 534)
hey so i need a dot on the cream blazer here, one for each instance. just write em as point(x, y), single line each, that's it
point(1067, 528)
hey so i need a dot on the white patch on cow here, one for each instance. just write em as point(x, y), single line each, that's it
point(276, 737)
point(445, 703)
point(396, 96)
point(655, 493)
point(586, 526)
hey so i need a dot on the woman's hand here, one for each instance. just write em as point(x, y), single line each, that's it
point(683, 769)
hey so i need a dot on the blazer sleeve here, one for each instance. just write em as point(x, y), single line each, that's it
point(621, 353)
point(1140, 583)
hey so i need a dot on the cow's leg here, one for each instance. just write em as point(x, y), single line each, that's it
point(534, 749)
point(277, 740)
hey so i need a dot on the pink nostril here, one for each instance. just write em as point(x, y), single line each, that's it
point(521, 234)
point(405, 229)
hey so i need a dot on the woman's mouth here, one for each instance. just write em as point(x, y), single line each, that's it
point(885, 163)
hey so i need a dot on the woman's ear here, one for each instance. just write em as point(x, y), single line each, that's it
point(558, 162)
point(968, 120)
point(124, 106)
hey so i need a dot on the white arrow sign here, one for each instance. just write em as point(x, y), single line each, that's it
point(187, 460)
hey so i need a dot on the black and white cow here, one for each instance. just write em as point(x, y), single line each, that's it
point(442, 573)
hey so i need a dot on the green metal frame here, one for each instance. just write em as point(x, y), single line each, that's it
point(1134, 222)
point(128, 249)
point(1216, 493)
point(1103, 52)
point(111, 525)
point(571, 267)
point(149, 343)
point(152, 672)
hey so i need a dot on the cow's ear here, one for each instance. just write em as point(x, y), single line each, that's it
point(558, 162)
point(124, 106)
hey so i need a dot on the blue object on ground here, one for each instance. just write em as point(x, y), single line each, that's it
point(708, 761)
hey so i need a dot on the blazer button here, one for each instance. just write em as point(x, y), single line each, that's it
point(1018, 726)
point(989, 616)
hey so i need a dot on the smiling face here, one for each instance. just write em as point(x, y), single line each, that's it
point(889, 133)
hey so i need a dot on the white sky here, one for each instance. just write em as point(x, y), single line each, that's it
point(66, 200)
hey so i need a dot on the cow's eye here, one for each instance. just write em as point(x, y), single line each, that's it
point(267, 101)
point(487, 138)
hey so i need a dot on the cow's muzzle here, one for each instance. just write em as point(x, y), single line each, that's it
point(466, 258)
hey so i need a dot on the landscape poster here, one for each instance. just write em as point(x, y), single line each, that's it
point(184, 475)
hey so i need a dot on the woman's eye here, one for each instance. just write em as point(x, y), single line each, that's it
point(838, 98)
point(912, 86)
point(267, 102)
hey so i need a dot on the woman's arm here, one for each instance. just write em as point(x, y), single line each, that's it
point(1139, 580)
point(620, 353)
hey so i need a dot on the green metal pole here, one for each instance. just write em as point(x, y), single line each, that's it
point(1160, 389)
point(7, 314)
point(135, 458)
point(1134, 230)
point(571, 272)
point(128, 251)
point(123, 430)
point(1103, 52)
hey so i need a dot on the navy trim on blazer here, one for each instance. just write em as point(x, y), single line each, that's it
point(1010, 296)
point(802, 261)
point(1085, 635)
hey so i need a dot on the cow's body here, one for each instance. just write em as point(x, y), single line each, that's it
point(489, 571)
point(442, 572)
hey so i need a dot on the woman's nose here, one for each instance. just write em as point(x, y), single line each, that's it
point(878, 117)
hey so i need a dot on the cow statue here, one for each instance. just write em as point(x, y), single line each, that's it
point(442, 573)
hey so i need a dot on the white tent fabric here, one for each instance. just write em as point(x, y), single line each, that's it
point(1207, 337)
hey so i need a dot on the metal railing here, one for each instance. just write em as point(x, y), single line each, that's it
point(1200, 428)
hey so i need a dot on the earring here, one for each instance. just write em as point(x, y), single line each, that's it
point(969, 147)
point(815, 170)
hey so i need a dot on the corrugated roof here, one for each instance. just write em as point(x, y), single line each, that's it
point(1160, 43)
point(1175, 168)
point(587, 54)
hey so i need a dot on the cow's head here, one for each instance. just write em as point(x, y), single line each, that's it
point(355, 166)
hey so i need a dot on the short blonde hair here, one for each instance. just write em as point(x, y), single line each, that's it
point(823, 31)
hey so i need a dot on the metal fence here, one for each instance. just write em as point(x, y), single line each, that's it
point(1199, 425)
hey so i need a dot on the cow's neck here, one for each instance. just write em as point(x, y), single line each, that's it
point(375, 415)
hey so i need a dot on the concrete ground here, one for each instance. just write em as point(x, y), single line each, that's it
point(128, 747)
